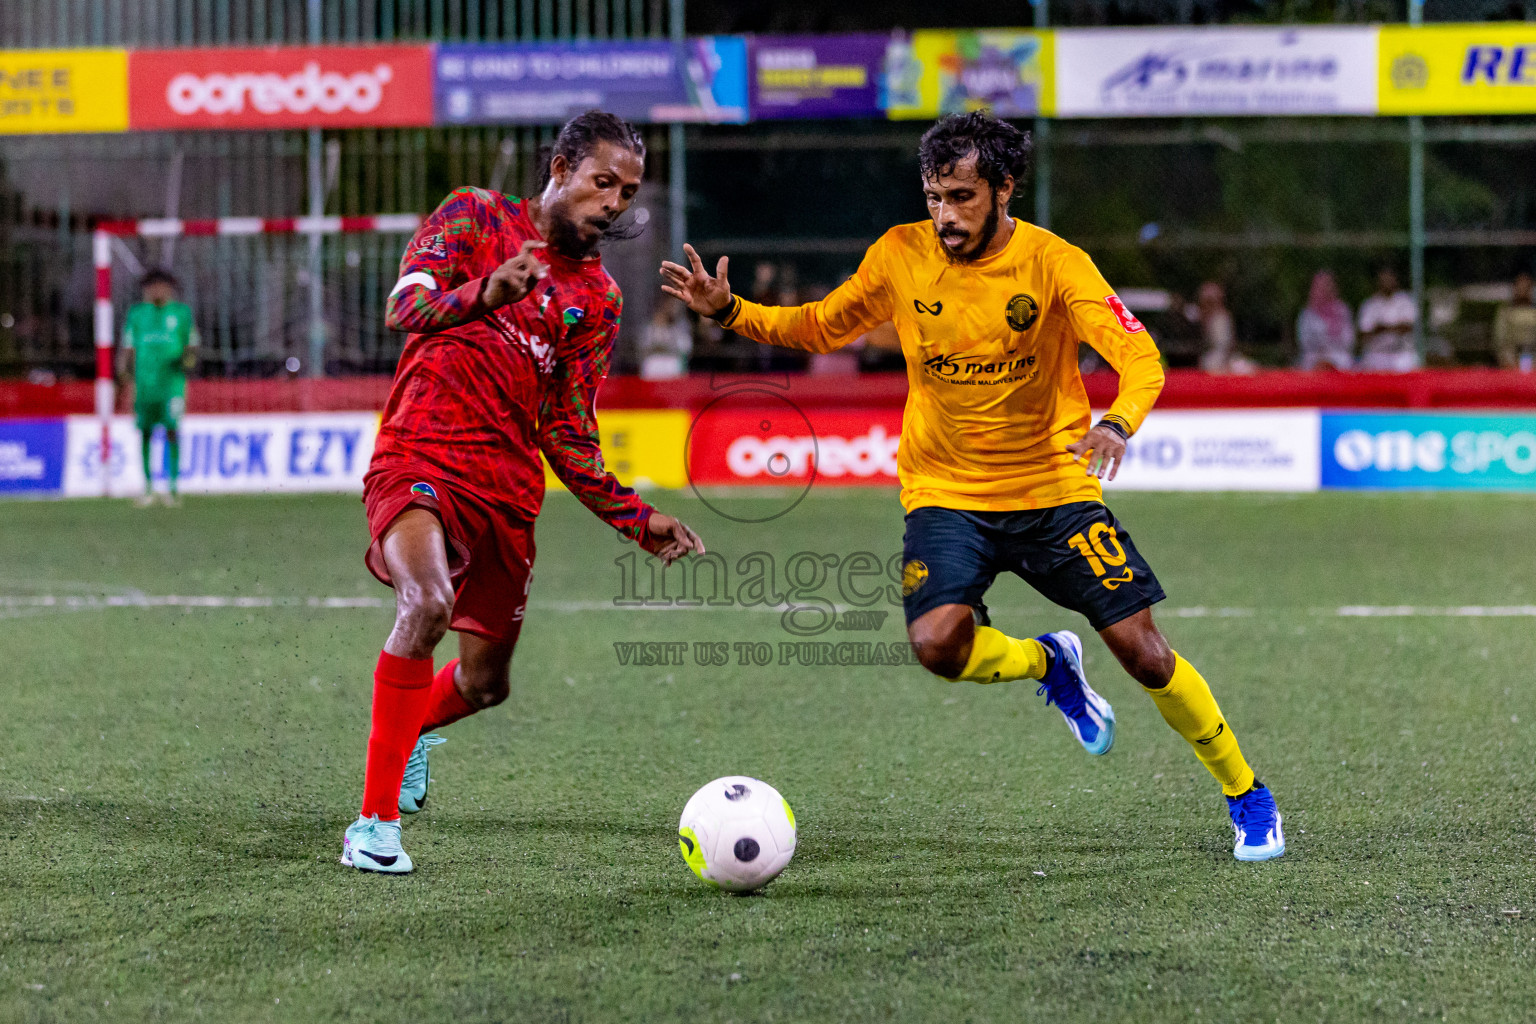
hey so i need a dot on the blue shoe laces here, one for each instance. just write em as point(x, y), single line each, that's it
point(1060, 687)
point(416, 767)
point(1255, 807)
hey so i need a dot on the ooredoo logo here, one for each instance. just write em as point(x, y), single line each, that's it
point(328, 92)
point(868, 455)
point(325, 86)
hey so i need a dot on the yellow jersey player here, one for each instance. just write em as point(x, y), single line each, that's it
point(1000, 463)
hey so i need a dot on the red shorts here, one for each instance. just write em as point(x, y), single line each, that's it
point(490, 553)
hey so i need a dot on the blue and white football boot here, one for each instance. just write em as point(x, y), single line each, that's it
point(1256, 820)
point(418, 775)
point(1065, 684)
point(374, 845)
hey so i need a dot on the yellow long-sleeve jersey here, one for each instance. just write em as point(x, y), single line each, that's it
point(994, 391)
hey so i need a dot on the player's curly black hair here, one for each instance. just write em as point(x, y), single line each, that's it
point(1002, 151)
point(578, 138)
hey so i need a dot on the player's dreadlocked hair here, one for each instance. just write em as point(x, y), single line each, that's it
point(576, 141)
point(1001, 150)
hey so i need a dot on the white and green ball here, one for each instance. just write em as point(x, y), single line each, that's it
point(737, 833)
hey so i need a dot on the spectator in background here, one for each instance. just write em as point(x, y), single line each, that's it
point(1514, 327)
point(1219, 333)
point(667, 342)
point(1386, 327)
point(1325, 331)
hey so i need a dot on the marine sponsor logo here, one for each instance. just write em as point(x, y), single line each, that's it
point(964, 369)
point(1022, 312)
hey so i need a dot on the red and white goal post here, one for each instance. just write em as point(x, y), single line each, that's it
point(171, 227)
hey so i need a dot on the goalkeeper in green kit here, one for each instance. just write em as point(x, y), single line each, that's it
point(159, 347)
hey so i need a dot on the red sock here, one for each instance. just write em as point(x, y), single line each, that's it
point(400, 691)
point(446, 705)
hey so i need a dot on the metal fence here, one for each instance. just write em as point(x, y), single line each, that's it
point(1255, 204)
point(171, 23)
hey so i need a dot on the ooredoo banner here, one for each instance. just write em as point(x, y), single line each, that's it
point(281, 87)
point(1459, 69)
point(227, 454)
point(758, 438)
point(1215, 70)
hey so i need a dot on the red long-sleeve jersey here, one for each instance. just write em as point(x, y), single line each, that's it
point(480, 393)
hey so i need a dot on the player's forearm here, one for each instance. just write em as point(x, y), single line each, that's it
point(796, 327)
point(578, 463)
point(1141, 381)
point(419, 309)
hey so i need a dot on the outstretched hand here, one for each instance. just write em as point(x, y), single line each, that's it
point(705, 295)
point(515, 278)
point(669, 539)
point(1103, 449)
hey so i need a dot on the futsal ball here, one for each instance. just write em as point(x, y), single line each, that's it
point(737, 833)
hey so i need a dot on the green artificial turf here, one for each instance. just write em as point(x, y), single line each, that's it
point(175, 781)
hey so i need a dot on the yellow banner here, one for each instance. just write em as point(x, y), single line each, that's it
point(63, 91)
point(643, 447)
point(1007, 71)
point(1458, 69)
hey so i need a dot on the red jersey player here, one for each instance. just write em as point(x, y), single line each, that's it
point(512, 320)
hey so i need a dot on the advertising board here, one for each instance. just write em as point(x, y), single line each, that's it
point(642, 447)
point(757, 438)
point(1429, 451)
point(701, 79)
point(31, 457)
point(281, 87)
point(1165, 72)
point(63, 91)
point(1248, 450)
point(231, 454)
point(816, 76)
point(941, 71)
point(1458, 69)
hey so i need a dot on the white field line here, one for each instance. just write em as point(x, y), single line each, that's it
point(13, 605)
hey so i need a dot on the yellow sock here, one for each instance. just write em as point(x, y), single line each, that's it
point(1187, 706)
point(997, 657)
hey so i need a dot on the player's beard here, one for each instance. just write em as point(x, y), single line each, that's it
point(565, 234)
point(988, 232)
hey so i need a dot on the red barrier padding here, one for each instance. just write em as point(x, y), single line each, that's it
point(1185, 389)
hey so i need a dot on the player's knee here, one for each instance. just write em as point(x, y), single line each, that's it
point(424, 613)
point(484, 689)
point(1148, 659)
point(942, 652)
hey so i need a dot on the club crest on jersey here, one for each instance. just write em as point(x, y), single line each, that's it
point(1128, 321)
point(573, 315)
point(1022, 311)
point(432, 245)
point(423, 487)
point(913, 575)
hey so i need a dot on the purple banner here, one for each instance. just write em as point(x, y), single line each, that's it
point(703, 79)
point(816, 76)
